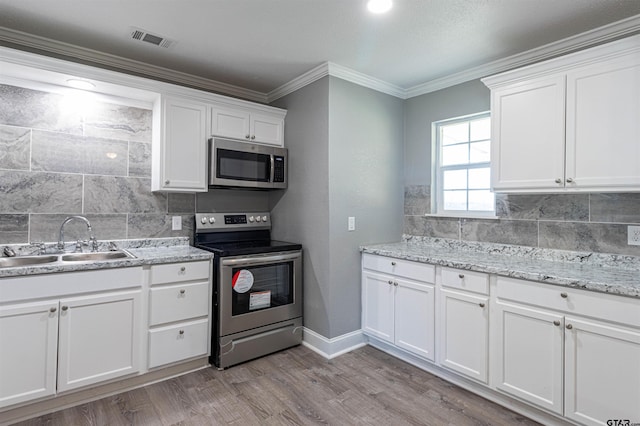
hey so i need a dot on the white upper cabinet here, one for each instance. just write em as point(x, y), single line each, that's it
point(569, 124)
point(180, 155)
point(261, 126)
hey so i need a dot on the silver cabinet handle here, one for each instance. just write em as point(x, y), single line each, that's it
point(556, 323)
point(182, 269)
point(181, 332)
point(395, 284)
point(64, 308)
point(253, 137)
point(167, 182)
point(183, 291)
point(460, 276)
point(481, 305)
point(564, 295)
point(53, 309)
point(569, 180)
point(558, 180)
point(246, 136)
point(390, 282)
point(569, 326)
point(393, 263)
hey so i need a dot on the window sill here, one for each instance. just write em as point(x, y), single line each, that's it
point(461, 216)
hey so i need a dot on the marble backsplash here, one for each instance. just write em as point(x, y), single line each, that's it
point(60, 158)
point(594, 222)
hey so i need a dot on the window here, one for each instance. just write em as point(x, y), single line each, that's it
point(462, 173)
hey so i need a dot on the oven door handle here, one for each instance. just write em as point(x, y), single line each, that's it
point(258, 260)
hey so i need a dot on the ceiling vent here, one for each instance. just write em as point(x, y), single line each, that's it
point(156, 40)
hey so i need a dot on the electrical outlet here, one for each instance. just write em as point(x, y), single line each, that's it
point(351, 223)
point(633, 235)
point(176, 223)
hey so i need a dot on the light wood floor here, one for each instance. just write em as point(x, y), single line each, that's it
point(296, 387)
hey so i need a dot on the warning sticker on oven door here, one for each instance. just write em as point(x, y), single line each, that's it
point(259, 300)
point(242, 281)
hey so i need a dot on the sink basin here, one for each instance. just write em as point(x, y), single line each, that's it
point(92, 257)
point(9, 262)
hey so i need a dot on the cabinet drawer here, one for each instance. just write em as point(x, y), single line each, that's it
point(402, 268)
point(178, 342)
point(178, 302)
point(624, 310)
point(476, 282)
point(184, 271)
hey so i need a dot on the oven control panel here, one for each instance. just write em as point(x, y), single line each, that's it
point(232, 221)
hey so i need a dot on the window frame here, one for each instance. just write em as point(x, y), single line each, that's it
point(437, 175)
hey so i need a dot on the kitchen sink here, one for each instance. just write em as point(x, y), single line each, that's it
point(9, 262)
point(97, 256)
point(12, 262)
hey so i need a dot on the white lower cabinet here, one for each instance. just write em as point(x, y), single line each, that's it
point(572, 352)
point(179, 312)
point(396, 309)
point(462, 324)
point(28, 352)
point(98, 338)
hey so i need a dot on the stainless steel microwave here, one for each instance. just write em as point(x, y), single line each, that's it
point(236, 164)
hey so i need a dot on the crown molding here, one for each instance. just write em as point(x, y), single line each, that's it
point(581, 41)
point(21, 40)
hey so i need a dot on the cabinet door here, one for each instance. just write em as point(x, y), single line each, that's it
point(464, 334)
point(528, 356)
point(527, 150)
point(602, 365)
point(267, 129)
point(230, 123)
point(28, 355)
point(603, 125)
point(415, 317)
point(183, 152)
point(99, 338)
point(377, 305)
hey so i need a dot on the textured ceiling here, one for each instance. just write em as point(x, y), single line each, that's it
point(262, 44)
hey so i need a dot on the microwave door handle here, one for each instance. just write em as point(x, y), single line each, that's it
point(272, 171)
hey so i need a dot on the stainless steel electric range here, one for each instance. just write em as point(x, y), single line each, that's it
point(257, 286)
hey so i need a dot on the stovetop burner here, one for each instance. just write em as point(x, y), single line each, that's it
point(234, 234)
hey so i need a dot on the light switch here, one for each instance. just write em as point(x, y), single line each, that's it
point(351, 226)
point(176, 223)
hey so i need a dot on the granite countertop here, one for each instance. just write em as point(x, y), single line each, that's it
point(613, 274)
point(146, 252)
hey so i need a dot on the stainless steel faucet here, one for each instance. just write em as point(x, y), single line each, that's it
point(92, 239)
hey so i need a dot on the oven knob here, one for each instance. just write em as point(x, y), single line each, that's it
point(258, 219)
point(212, 220)
point(203, 220)
point(251, 219)
point(264, 218)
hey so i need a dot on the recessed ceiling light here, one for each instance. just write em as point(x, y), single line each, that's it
point(379, 6)
point(81, 84)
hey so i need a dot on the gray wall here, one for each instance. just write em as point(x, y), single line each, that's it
point(345, 148)
point(58, 158)
point(301, 213)
point(587, 222)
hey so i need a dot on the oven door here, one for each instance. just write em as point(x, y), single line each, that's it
point(257, 290)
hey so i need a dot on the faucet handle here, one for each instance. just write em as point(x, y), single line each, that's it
point(39, 245)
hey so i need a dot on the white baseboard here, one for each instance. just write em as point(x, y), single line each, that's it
point(331, 348)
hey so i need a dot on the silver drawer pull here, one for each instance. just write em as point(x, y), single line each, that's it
point(183, 291)
point(53, 309)
point(395, 284)
point(481, 305)
point(460, 276)
point(390, 282)
point(182, 269)
point(393, 263)
point(569, 326)
point(564, 295)
point(181, 332)
point(556, 323)
point(64, 308)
